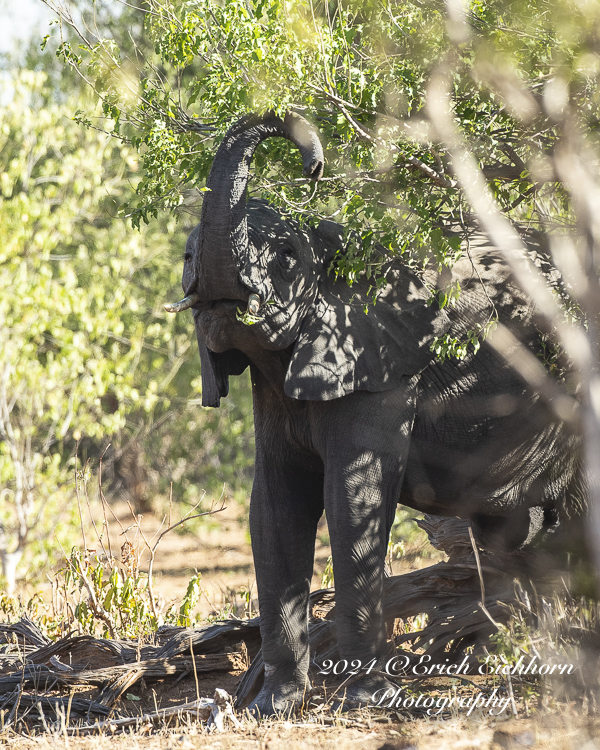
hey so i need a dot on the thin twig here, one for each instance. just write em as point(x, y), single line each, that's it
point(476, 551)
point(488, 615)
point(511, 694)
point(195, 672)
point(79, 501)
point(153, 547)
point(104, 504)
point(87, 500)
point(137, 519)
point(481, 584)
point(99, 610)
point(204, 704)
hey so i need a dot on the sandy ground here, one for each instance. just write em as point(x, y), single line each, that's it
point(219, 548)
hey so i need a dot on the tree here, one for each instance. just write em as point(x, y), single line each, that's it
point(61, 311)
point(360, 71)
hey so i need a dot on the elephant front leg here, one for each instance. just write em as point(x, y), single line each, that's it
point(363, 475)
point(285, 509)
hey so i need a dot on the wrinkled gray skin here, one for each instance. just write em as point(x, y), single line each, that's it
point(352, 413)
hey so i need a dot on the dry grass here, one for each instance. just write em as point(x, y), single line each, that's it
point(562, 729)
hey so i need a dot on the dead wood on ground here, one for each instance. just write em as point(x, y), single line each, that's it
point(38, 677)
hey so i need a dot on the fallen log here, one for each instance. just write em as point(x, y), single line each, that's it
point(42, 677)
point(24, 633)
point(213, 638)
point(152, 669)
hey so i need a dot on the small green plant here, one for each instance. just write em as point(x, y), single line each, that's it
point(408, 542)
point(245, 594)
point(448, 346)
point(247, 318)
point(395, 551)
point(327, 577)
point(189, 601)
point(9, 606)
point(117, 597)
point(99, 592)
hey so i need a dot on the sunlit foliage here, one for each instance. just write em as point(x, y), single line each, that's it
point(87, 354)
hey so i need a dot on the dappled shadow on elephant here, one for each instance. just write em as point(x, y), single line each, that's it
point(353, 413)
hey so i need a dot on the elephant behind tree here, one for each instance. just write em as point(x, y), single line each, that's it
point(353, 414)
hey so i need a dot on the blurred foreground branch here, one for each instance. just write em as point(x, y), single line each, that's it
point(575, 253)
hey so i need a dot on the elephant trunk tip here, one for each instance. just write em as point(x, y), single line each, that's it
point(300, 132)
point(314, 170)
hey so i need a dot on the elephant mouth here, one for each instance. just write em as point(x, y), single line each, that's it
point(218, 325)
point(216, 305)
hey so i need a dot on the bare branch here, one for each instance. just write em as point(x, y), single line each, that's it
point(79, 501)
point(534, 373)
point(499, 229)
point(104, 504)
point(153, 547)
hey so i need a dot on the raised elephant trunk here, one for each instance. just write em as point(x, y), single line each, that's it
point(223, 240)
point(224, 267)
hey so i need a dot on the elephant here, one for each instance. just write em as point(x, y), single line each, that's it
point(353, 412)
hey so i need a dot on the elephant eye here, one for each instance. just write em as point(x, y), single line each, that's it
point(286, 254)
point(187, 256)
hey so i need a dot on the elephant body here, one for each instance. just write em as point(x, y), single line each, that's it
point(352, 412)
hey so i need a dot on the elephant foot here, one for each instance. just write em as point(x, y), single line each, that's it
point(278, 700)
point(368, 690)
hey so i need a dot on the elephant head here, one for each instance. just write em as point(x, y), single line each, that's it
point(256, 281)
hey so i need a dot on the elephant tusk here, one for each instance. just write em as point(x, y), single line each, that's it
point(253, 304)
point(186, 302)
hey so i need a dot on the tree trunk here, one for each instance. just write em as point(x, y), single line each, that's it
point(10, 561)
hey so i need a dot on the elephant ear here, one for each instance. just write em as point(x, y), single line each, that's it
point(216, 369)
point(341, 348)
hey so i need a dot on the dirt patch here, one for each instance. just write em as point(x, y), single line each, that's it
point(218, 548)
